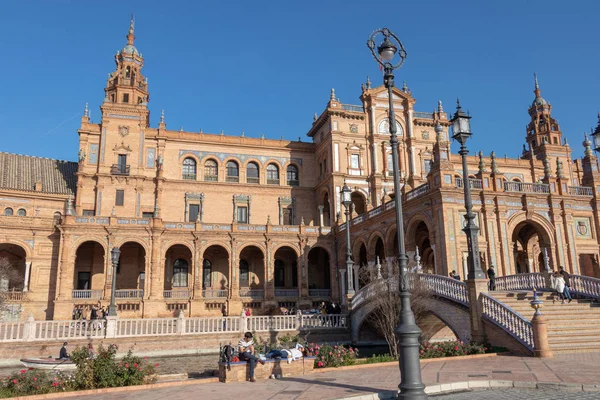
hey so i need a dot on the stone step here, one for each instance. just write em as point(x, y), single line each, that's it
point(580, 349)
point(568, 335)
point(579, 331)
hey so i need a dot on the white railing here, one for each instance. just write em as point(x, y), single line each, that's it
point(507, 319)
point(214, 293)
point(418, 191)
point(129, 293)
point(272, 323)
point(327, 321)
point(177, 294)
point(473, 183)
point(286, 292)
point(444, 286)
point(585, 286)
point(319, 292)
point(521, 282)
point(581, 191)
point(11, 331)
point(95, 294)
point(211, 325)
point(78, 329)
point(253, 293)
point(146, 327)
point(526, 187)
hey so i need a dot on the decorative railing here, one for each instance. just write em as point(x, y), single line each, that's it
point(523, 187)
point(211, 325)
point(286, 292)
point(585, 286)
point(352, 107)
point(473, 183)
point(11, 331)
point(444, 286)
point(119, 169)
point(177, 294)
point(214, 293)
point(252, 180)
point(319, 292)
point(129, 293)
point(95, 294)
point(272, 181)
point(324, 321)
point(293, 182)
point(521, 282)
point(189, 177)
point(581, 191)
point(507, 319)
point(358, 220)
point(253, 293)
point(272, 323)
point(146, 327)
point(211, 178)
point(50, 330)
point(417, 192)
point(13, 295)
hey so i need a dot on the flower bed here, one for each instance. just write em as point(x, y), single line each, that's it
point(449, 349)
point(327, 355)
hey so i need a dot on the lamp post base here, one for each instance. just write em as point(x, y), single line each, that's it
point(475, 287)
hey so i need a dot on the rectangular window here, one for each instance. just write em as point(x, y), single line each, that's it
point(88, 213)
point(242, 215)
point(147, 215)
point(324, 166)
point(193, 212)
point(120, 198)
point(287, 216)
point(83, 281)
point(125, 97)
point(354, 161)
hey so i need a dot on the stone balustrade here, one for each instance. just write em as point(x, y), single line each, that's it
point(507, 319)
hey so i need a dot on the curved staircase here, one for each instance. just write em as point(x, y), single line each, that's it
point(572, 327)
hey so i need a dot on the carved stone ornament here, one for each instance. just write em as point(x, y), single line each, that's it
point(123, 130)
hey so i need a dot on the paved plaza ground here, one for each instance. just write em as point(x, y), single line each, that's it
point(580, 368)
point(516, 394)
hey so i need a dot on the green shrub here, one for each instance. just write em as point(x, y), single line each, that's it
point(328, 355)
point(449, 349)
point(379, 358)
point(30, 381)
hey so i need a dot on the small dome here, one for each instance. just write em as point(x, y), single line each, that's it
point(130, 49)
point(539, 101)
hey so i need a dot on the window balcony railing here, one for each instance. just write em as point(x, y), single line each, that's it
point(177, 294)
point(523, 187)
point(232, 179)
point(189, 177)
point(87, 294)
point(581, 191)
point(286, 292)
point(293, 182)
point(473, 183)
point(12, 295)
point(272, 181)
point(211, 178)
point(119, 169)
point(129, 294)
point(319, 292)
point(252, 293)
point(253, 180)
point(214, 293)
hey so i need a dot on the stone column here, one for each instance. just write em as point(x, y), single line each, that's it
point(321, 208)
point(541, 348)
point(27, 273)
point(475, 287)
point(66, 265)
point(355, 273)
point(343, 286)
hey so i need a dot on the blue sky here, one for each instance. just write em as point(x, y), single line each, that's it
point(267, 66)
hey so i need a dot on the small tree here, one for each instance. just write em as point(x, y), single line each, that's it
point(385, 316)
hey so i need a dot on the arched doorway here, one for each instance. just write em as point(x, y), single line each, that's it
point(423, 243)
point(380, 250)
point(251, 272)
point(529, 241)
point(131, 271)
point(89, 272)
point(358, 204)
point(285, 277)
point(12, 267)
point(215, 273)
point(178, 272)
point(319, 278)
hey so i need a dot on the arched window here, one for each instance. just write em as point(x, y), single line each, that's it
point(384, 128)
point(211, 170)
point(292, 176)
point(233, 172)
point(244, 274)
point(272, 174)
point(8, 212)
point(279, 273)
point(22, 212)
point(189, 169)
point(180, 273)
point(252, 173)
point(128, 72)
point(206, 274)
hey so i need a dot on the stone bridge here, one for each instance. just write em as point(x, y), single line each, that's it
point(450, 302)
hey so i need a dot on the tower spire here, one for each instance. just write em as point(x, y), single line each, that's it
point(537, 85)
point(130, 35)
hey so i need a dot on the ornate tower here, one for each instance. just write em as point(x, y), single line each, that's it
point(126, 88)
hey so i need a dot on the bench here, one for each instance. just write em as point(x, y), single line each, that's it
point(240, 370)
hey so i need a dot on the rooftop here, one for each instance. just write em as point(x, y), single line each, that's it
point(19, 172)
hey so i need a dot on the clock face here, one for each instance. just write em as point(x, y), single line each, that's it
point(384, 128)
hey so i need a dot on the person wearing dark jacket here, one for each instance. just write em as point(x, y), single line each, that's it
point(567, 277)
point(492, 277)
point(63, 355)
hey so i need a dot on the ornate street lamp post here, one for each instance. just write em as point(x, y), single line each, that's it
point(347, 202)
point(115, 253)
point(411, 385)
point(461, 131)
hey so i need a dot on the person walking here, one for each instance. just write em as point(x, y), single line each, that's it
point(560, 286)
point(567, 277)
point(492, 277)
point(246, 353)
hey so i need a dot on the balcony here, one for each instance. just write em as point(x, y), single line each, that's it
point(253, 180)
point(581, 191)
point(129, 294)
point(211, 178)
point(87, 294)
point(252, 293)
point(473, 183)
point(286, 292)
point(177, 294)
point(272, 181)
point(522, 187)
point(417, 192)
point(119, 169)
point(189, 177)
point(293, 182)
point(13, 295)
point(232, 179)
point(214, 293)
point(319, 292)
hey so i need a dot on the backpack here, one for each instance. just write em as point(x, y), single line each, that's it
point(226, 354)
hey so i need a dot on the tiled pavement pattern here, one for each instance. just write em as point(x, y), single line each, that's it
point(565, 368)
point(515, 394)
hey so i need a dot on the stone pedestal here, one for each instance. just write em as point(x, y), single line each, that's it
point(540, 336)
point(474, 288)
